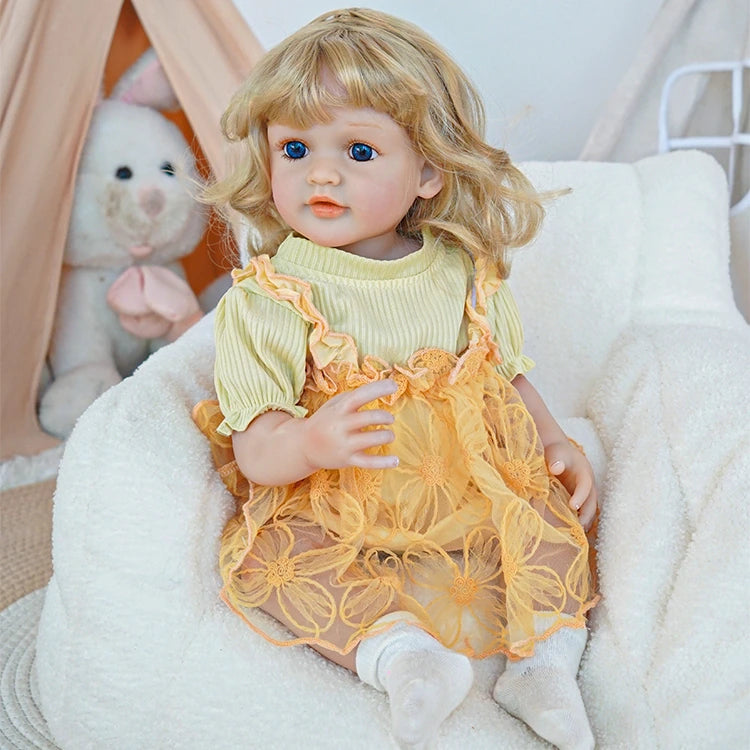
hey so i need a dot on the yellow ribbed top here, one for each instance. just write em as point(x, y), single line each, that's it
point(390, 308)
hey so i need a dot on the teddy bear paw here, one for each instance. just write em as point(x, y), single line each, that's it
point(71, 393)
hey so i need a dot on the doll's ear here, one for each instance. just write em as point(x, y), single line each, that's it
point(431, 182)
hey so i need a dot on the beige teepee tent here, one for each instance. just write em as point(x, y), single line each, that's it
point(53, 59)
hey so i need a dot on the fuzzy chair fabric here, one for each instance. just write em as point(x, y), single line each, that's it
point(642, 356)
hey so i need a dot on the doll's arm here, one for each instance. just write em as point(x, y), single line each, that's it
point(278, 449)
point(565, 461)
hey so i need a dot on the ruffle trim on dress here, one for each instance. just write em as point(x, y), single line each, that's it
point(324, 343)
point(513, 652)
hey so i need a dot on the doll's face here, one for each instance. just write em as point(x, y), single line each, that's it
point(348, 182)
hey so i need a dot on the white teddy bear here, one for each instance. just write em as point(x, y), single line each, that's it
point(122, 292)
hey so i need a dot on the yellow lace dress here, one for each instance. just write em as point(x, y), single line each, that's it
point(470, 532)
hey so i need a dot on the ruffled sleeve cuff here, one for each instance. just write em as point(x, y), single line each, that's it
point(239, 420)
point(507, 330)
point(519, 365)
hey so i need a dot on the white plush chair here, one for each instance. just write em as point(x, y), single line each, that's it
point(642, 355)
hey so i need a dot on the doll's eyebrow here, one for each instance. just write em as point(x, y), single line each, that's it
point(364, 124)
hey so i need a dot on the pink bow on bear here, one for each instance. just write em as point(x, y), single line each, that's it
point(153, 302)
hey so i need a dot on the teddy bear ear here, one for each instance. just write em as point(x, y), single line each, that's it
point(145, 83)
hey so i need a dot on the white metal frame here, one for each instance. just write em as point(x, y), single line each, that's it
point(731, 142)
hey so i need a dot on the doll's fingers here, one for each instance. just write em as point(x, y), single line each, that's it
point(371, 439)
point(582, 492)
point(368, 461)
point(555, 460)
point(558, 467)
point(588, 511)
point(364, 394)
point(371, 418)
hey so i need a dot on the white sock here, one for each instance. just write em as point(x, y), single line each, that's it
point(424, 680)
point(542, 690)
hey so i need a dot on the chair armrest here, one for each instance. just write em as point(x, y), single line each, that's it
point(137, 492)
point(690, 379)
point(672, 409)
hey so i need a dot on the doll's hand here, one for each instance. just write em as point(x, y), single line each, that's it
point(337, 435)
point(573, 469)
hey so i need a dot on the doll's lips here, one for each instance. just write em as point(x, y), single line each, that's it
point(325, 208)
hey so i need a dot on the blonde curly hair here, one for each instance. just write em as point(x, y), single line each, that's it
point(486, 205)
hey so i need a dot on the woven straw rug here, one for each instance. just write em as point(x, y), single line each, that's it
point(25, 568)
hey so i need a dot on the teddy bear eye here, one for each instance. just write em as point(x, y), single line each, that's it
point(167, 168)
point(124, 173)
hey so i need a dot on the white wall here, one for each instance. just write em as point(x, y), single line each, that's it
point(544, 67)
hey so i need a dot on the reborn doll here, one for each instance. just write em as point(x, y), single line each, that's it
point(406, 500)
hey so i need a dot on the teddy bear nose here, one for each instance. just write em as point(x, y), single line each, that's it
point(151, 200)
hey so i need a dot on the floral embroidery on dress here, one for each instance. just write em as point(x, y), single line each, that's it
point(431, 478)
point(272, 569)
point(469, 586)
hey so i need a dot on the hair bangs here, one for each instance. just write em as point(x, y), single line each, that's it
point(337, 71)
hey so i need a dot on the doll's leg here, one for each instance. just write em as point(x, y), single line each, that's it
point(542, 691)
point(309, 538)
point(424, 680)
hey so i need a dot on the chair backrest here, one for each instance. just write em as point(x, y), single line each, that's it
point(643, 243)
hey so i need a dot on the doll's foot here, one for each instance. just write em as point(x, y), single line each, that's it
point(542, 690)
point(424, 687)
point(549, 701)
point(424, 680)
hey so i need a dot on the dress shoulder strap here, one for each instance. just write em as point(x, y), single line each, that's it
point(485, 281)
point(324, 344)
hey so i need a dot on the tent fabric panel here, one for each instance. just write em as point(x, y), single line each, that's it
point(48, 96)
point(53, 59)
point(205, 82)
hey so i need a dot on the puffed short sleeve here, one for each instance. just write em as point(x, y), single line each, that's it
point(505, 322)
point(261, 347)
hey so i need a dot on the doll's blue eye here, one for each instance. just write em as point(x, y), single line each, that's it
point(295, 149)
point(362, 152)
point(123, 173)
point(167, 168)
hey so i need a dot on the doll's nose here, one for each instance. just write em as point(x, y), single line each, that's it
point(151, 200)
point(323, 172)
